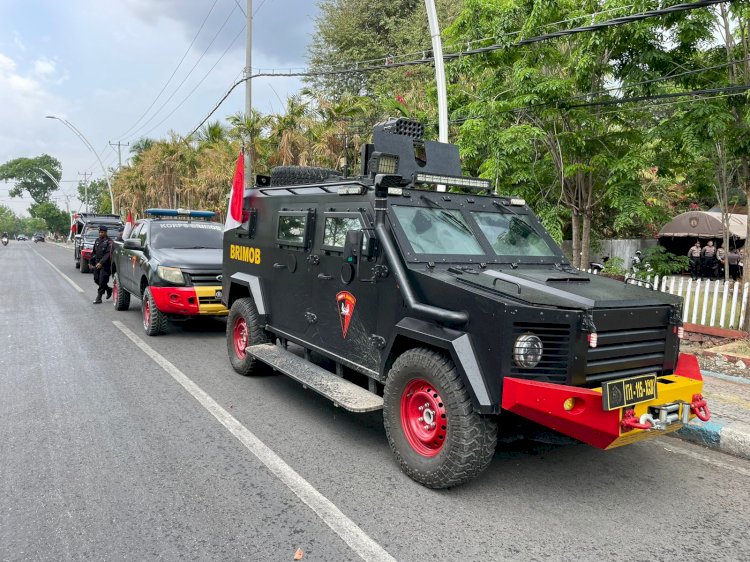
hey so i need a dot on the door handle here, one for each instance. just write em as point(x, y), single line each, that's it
point(279, 266)
point(325, 276)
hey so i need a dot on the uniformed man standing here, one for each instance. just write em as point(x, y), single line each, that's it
point(695, 260)
point(102, 262)
point(708, 254)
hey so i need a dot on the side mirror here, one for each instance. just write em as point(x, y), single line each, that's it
point(353, 246)
point(132, 244)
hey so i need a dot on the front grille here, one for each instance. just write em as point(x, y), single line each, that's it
point(208, 300)
point(204, 278)
point(636, 350)
point(556, 339)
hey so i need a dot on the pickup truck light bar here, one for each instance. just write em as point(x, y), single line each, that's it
point(180, 213)
point(475, 184)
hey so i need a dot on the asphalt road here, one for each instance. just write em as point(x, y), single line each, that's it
point(111, 451)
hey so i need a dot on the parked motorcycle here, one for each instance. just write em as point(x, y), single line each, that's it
point(597, 267)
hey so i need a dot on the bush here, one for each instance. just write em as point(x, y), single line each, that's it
point(662, 262)
point(614, 266)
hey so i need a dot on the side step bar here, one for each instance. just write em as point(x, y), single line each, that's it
point(342, 392)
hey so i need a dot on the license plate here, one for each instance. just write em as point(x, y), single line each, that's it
point(626, 392)
point(218, 294)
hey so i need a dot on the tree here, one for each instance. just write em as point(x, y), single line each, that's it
point(56, 219)
point(9, 222)
point(95, 195)
point(30, 225)
point(28, 176)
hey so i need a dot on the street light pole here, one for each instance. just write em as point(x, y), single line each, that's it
point(437, 52)
point(249, 91)
point(57, 184)
point(79, 134)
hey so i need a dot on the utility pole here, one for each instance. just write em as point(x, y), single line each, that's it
point(249, 91)
point(86, 176)
point(119, 146)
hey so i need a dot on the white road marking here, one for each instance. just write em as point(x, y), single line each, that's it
point(331, 515)
point(698, 456)
point(53, 266)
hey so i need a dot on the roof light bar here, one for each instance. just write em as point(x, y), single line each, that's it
point(350, 190)
point(517, 201)
point(476, 184)
point(181, 213)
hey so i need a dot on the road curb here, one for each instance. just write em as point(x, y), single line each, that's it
point(728, 437)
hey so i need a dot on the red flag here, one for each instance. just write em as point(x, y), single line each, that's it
point(234, 213)
point(128, 226)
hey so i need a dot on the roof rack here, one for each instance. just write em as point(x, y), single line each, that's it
point(328, 187)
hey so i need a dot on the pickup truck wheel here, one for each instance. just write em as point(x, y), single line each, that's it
point(243, 330)
point(84, 266)
point(436, 437)
point(120, 297)
point(154, 320)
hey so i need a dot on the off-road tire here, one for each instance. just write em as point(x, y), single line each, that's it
point(120, 297)
point(299, 175)
point(85, 266)
point(244, 311)
point(470, 438)
point(154, 320)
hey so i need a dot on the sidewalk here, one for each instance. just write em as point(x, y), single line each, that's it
point(729, 428)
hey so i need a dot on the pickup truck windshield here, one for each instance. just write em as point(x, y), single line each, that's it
point(437, 231)
point(512, 235)
point(93, 234)
point(186, 235)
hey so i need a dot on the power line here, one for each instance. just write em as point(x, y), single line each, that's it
point(205, 19)
point(223, 25)
point(198, 84)
point(355, 69)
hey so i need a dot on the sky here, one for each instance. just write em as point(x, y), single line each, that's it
point(103, 66)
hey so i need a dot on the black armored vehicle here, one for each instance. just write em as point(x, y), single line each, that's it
point(449, 307)
point(87, 231)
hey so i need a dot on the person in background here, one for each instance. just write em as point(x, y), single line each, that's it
point(733, 261)
point(635, 263)
point(720, 262)
point(741, 263)
point(694, 253)
point(102, 262)
point(708, 254)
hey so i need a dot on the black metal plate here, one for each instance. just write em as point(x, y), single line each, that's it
point(627, 392)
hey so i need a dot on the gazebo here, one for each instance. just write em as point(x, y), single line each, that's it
point(682, 231)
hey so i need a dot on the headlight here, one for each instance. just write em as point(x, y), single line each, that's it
point(171, 274)
point(527, 352)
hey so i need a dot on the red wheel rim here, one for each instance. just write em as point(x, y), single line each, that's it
point(114, 291)
point(146, 313)
point(423, 418)
point(240, 337)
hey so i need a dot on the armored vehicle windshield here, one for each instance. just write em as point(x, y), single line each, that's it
point(495, 234)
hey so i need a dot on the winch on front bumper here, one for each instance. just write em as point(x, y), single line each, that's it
point(582, 413)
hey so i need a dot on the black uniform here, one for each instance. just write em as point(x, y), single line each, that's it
point(102, 254)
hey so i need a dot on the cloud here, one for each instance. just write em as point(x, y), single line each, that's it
point(282, 28)
point(44, 67)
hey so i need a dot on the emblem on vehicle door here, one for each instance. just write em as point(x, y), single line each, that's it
point(346, 302)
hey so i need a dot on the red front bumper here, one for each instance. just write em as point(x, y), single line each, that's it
point(188, 301)
point(585, 419)
point(86, 254)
